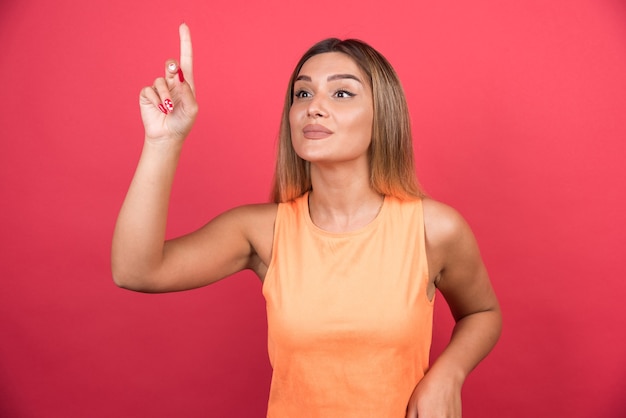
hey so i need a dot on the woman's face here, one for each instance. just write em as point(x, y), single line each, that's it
point(332, 112)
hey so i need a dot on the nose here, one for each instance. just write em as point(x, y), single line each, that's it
point(317, 107)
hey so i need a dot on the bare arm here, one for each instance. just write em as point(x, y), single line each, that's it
point(141, 259)
point(462, 278)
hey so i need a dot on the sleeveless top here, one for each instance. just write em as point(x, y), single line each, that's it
point(349, 319)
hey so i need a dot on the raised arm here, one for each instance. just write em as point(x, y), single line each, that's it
point(141, 259)
point(462, 278)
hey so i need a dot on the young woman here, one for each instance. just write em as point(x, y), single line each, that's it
point(350, 252)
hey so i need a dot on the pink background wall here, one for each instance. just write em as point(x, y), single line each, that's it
point(518, 110)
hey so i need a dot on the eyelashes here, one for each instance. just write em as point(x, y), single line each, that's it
point(344, 94)
point(301, 94)
point(339, 94)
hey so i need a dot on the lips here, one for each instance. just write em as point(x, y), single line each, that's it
point(316, 131)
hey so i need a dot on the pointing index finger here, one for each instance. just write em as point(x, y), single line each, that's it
point(186, 53)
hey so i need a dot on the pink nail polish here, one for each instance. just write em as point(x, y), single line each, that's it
point(162, 108)
point(168, 105)
point(180, 76)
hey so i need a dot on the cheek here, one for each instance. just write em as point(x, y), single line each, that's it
point(364, 121)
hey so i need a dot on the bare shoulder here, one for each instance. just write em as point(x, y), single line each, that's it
point(260, 212)
point(456, 265)
point(257, 222)
point(444, 225)
point(451, 247)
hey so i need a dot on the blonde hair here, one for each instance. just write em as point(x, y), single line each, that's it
point(392, 170)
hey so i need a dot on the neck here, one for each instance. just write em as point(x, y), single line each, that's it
point(342, 200)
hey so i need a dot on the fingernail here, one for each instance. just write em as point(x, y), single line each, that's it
point(171, 66)
point(180, 76)
point(168, 104)
point(162, 109)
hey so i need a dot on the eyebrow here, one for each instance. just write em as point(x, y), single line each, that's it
point(331, 77)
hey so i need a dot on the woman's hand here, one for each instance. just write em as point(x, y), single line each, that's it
point(435, 397)
point(169, 107)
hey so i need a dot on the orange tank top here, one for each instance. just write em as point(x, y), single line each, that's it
point(349, 320)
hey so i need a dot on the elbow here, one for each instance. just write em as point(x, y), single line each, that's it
point(121, 281)
point(130, 279)
point(119, 273)
point(122, 278)
point(131, 273)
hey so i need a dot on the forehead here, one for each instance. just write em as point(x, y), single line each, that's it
point(329, 63)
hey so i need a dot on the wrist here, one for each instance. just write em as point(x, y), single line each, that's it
point(163, 145)
point(161, 154)
point(446, 371)
point(164, 141)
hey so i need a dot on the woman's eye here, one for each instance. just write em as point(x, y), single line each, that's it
point(342, 94)
point(301, 94)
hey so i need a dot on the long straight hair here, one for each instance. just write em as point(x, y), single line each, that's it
point(392, 170)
